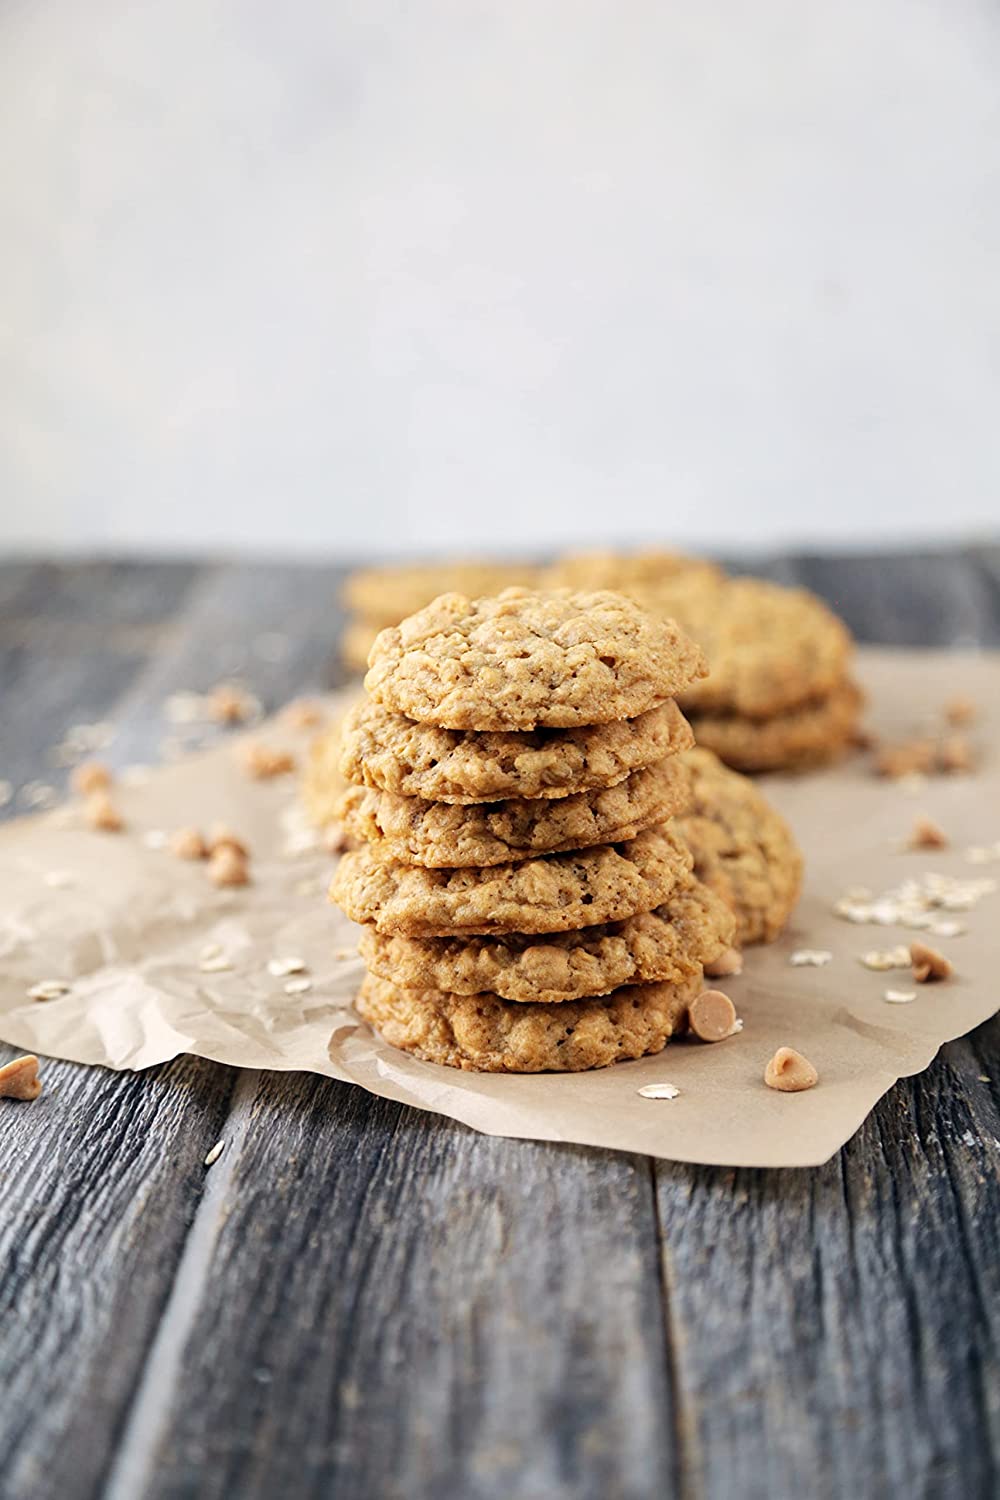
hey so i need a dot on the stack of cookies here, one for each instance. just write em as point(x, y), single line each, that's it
point(780, 695)
point(378, 597)
point(526, 904)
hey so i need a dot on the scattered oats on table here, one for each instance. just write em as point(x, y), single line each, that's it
point(19, 1079)
point(280, 967)
point(262, 762)
point(813, 958)
point(49, 989)
point(659, 1091)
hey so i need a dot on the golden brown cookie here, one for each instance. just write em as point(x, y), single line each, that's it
point(357, 639)
point(627, 571)
point(743, 849)
point(809, 735)
point(484, 1034)
point(669, 945)
point(392, 753)
point(522, 659)
point(553, 893)
point(412, 831)
point(384, 596)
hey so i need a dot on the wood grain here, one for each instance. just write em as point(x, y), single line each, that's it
point(358, 1299)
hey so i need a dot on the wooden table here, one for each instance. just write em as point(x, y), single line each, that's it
point(361, 1301)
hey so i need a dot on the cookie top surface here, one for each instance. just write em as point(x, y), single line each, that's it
point(668, 945)
point(808, 735)
point(482, 1033)
point(743, 849)
point(384, 596)
point(522, 658)
point(768, 647)
point(390, 752)
point(551, 893)
point(412, 831)
point(625, 571)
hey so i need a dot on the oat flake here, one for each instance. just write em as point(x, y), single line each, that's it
point(659, 1091)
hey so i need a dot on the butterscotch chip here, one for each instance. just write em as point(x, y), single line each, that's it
point(955, 754)
point(391, 753)
point(743, 849)
point(303, 713)
point(484, 1034)
point(91, 776)
point(19, 1079)
point(960, 712)
point(913, 756)
point(228, 704)
point(263, 762)
point(525, 658)
point(927, 835)
point(188, 843)
point(712, 1016)
point(550, 893)
point(413, 831)
point(789, 1072)
point(101, 813)
point(668, 945)
point(220, 836)
point(227, 866)
point(928, 963)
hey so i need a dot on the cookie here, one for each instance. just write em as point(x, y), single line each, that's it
point(522, 659)
point(769, 648)
point(323, 783)
point(412, 831)
point(485, 1034)
point(626, 571)
point(553, 893)
point(356, 641)
point(809, 735)
point(384, 596)
point(392, 753)
point(743, 849)
point(667, 945)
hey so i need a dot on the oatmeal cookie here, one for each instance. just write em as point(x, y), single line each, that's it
point(627, 571)
point(412, 831)
point(552, 893)
point(485, 1034)
point(809, 735)
point(522, 659)
point(384, 596)
point(393, 754)
point(669, 945)
point(743, 849)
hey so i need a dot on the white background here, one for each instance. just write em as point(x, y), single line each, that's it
point(326, 277)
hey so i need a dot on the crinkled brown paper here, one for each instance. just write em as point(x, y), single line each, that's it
point(127, 924)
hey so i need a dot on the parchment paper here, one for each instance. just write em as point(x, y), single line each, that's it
point(127, 924)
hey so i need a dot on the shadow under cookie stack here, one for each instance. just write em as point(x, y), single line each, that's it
point(526, 905)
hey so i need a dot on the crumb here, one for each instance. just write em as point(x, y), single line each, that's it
point(221, 837)
point(19, 1079)
point(302, 713)
point(789, 1072)
point(100, 812)
point(955, 754)
point(262, 762)
point(91, 776)
point(896, 761)
point(227, 866)
point(960, 712)
point(230, 704)
point(928, 963)
point(187, 843)
point(927, 835)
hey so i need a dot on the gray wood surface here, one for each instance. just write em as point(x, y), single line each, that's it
point(362, 1301)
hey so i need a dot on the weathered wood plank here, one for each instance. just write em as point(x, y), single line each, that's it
point(415, 1310)
point(100, 1178)
point(837, 1330)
